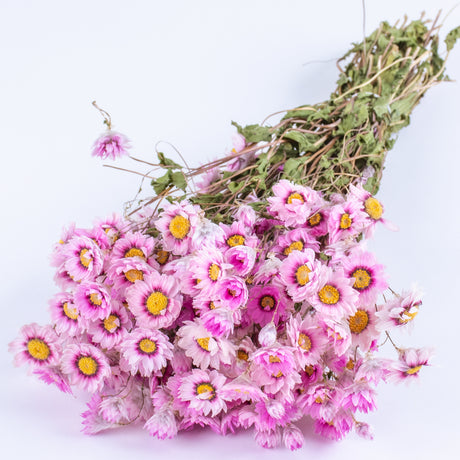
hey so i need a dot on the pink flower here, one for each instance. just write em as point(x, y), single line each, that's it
point(93, 301)
point(84, 259)
point(64, 314)
point(232, 292)
point(411, 361)
point(146, 351)
point(293, 437)
point(155, 301)
point(86, 366)
point(37, 346)
point(201, 391)
point(292, 203)
point(267, 303)
point(334, 295)
point(299, 272)
point(111, 145)
point(368, 277)
point(177, 225)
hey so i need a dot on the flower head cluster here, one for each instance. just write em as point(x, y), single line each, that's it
point(249, 324)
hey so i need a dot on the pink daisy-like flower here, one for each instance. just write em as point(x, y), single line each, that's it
point(204, 349)
point(241, 259)
point(36, 346)
point(367, 276)
point(274, 368)
point(292, 203)
point(111, 145)
point(346, 220)
point(162, 425)
point(114, 227)
point(177, 225)
point(146, 351)
point(232, 292)
point(411, 361)
point(316, 224)
point(207, 234)
point(133, 245)
point(363, 326)
point(402, 310)
point(359, 396)
point(93, 301)
point(218, 321)
point(295, 240)
point(293, 437)
point(307, 339)
point(335, 295)
point(338, 334)
point(155, 301)
point(208, 266)
point(267, 303)
point(64, 314)
point(84, 259)
point(123, 273)
point(238, 234)
point(110, 331)
point(93, 422)
point(299, 272)
point(86, 366)
point(201, 391)
point(372, 207)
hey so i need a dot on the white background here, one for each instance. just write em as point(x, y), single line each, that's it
point(180, 71)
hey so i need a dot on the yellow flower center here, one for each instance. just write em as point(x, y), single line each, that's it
point(211, 305)
point(362, 279)
point(318, 400)
point(214, 271)
point(304, 342)
point(95, 299)
point(235, 240)
point(110, 323)
point(345, 221)
point(87, 365)
point(38, 349)
point(156, 303)
point(295, 196)
point(147, 346)
point(267, 302)
point(278, 375)
point(407, 316)
point(203, 343)
point(301, 275)
point(134, 275)
point(358, 322)
point(241, 354)
point(295, 246)
point(413, 370)
point(85, 258)
point(70, 312)
point(374, 208)
point(206, 388)
point(162, 257)
point(179, 227)
point(135, 252)
point(309, 370)
point(350, 365)
point(329, 295)
point(274, 359)
point(315, 219)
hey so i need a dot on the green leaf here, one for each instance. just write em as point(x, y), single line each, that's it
point(293, 168)
point(452, 37)
point(162, 183)
point(254, 133)
point(178, 179)
point(167, 162)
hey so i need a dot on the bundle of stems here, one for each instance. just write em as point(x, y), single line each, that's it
point(330, 144)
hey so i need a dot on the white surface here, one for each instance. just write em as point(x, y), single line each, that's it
point(181, 71)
